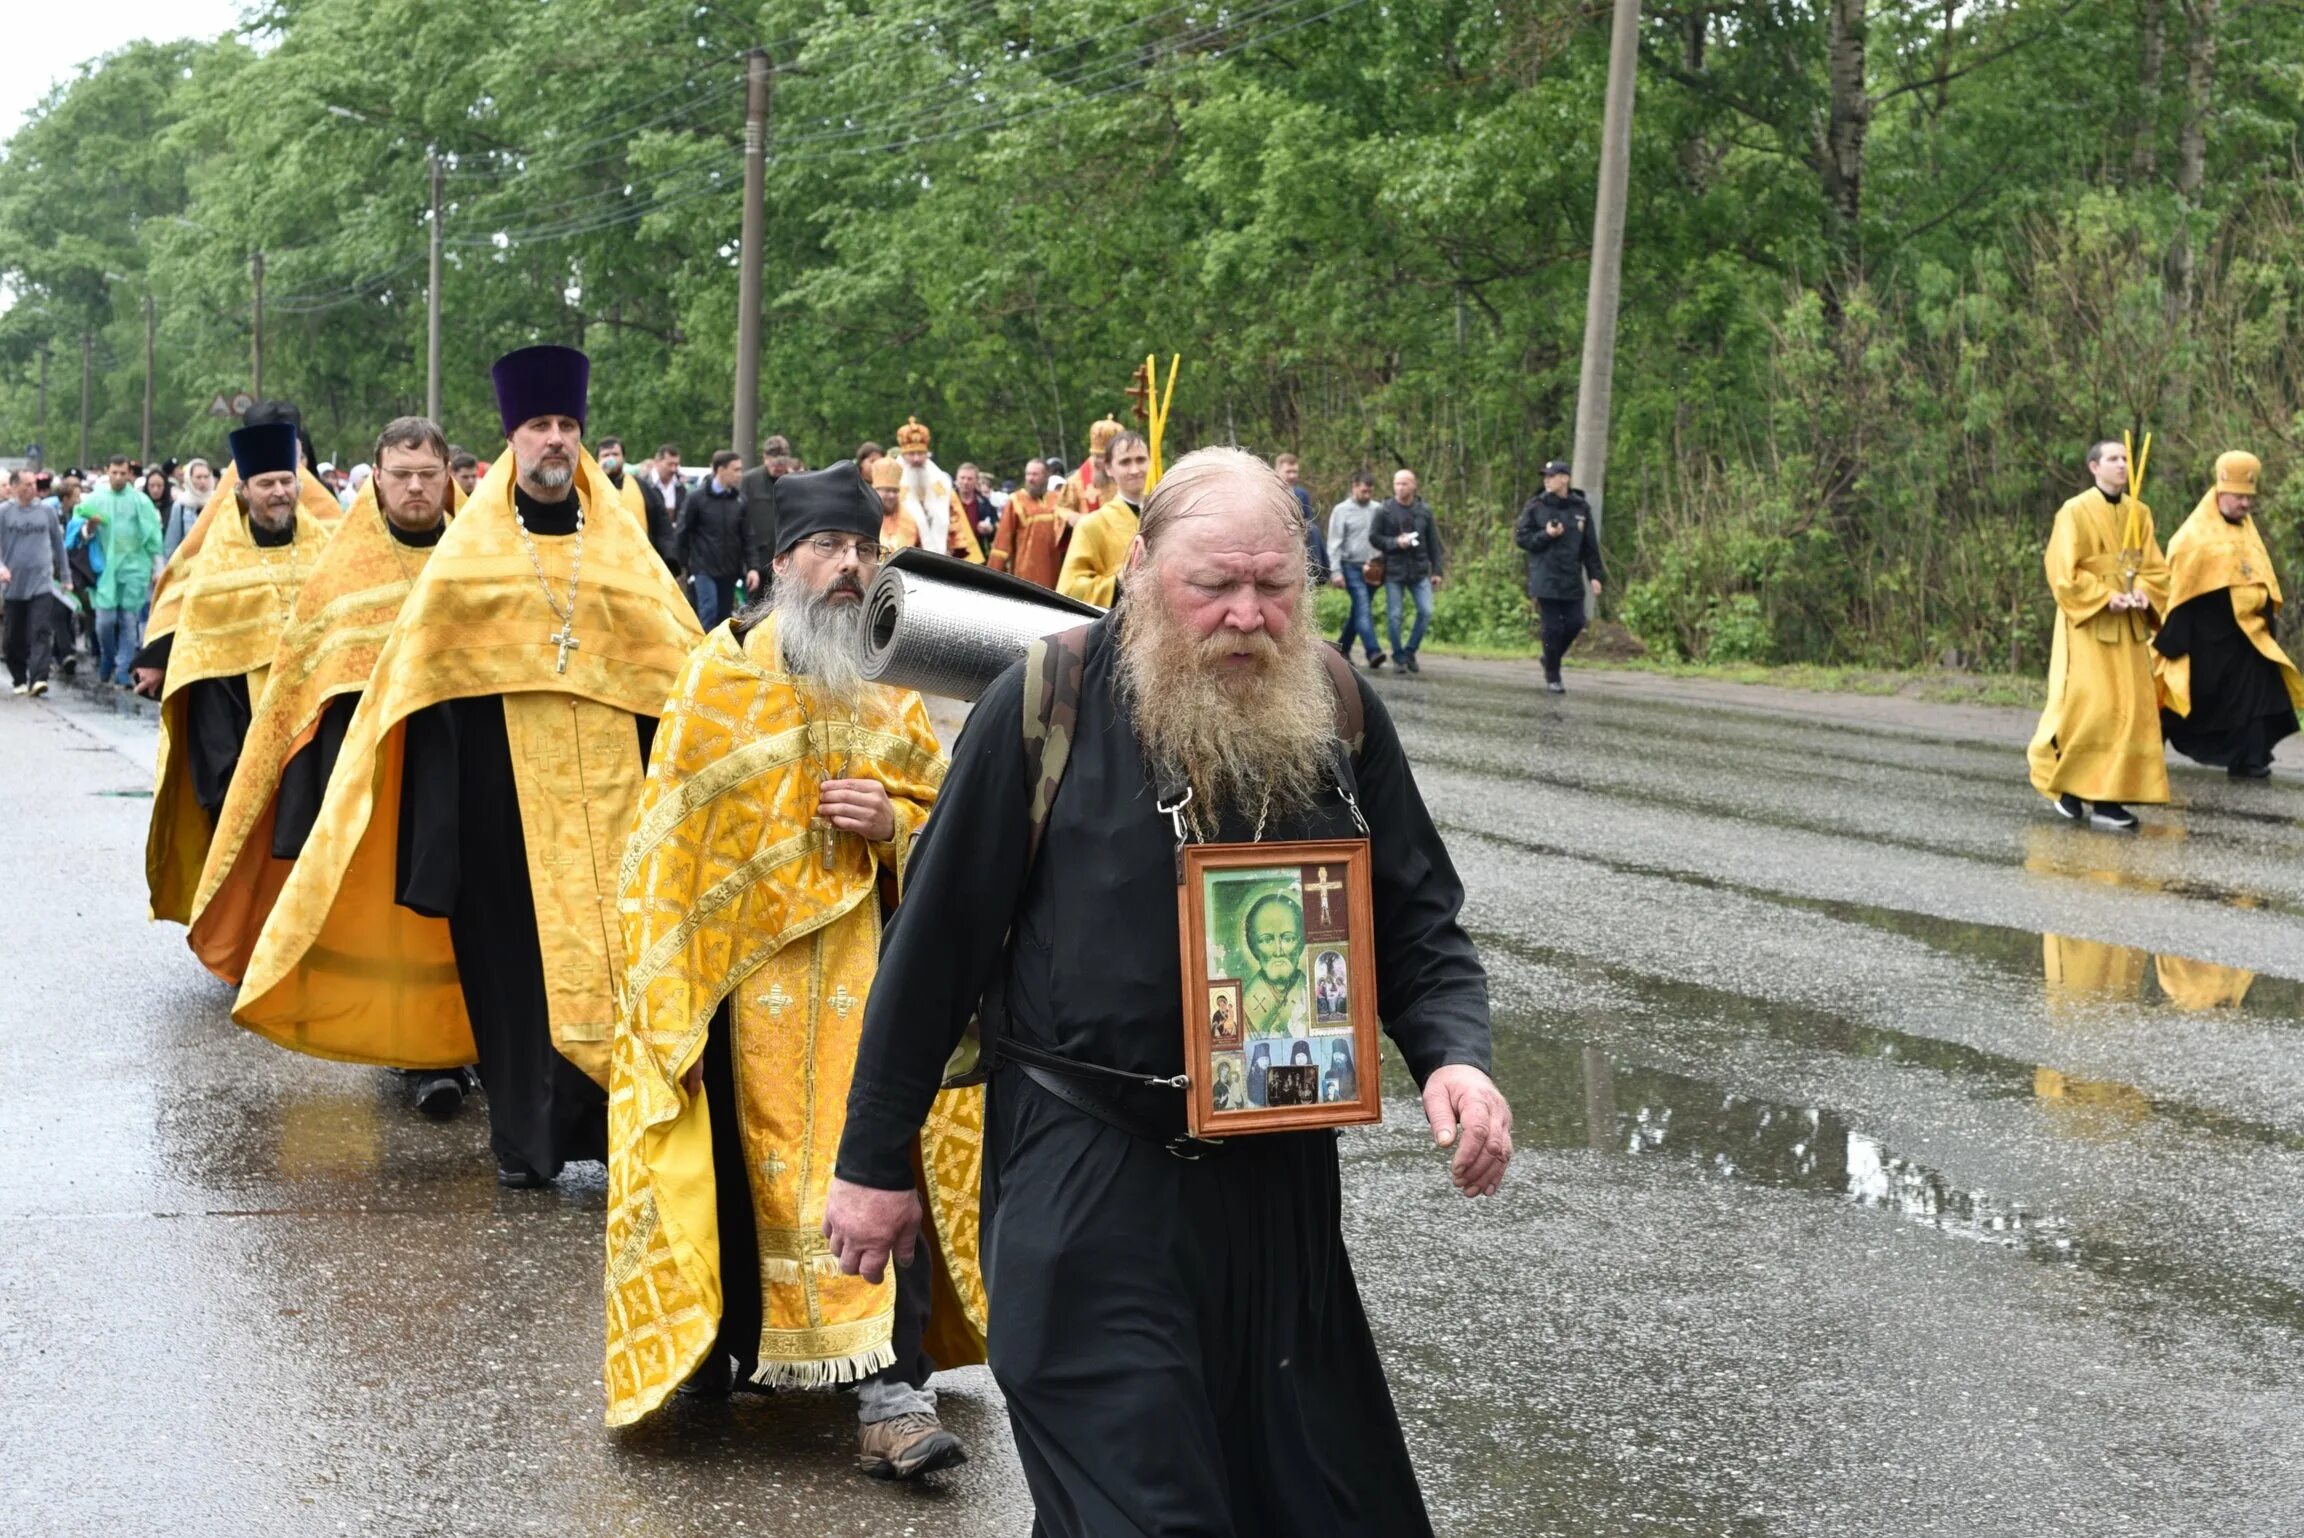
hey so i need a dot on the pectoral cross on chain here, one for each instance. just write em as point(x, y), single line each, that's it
point(565, 639)
point(1324, 886)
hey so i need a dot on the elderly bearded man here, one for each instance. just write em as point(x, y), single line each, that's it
point(208, 668)
point(781, 806)
point(1180, 1342)
point(457, 898)
point(928, 496)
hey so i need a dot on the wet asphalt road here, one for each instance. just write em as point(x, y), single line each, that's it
point(1895, 1160)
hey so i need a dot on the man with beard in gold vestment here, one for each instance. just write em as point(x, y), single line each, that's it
point(781, 805)
point(2097, 749)
point(2228, 692)
point(207, 662)
point(342, 616)
point(456, 901)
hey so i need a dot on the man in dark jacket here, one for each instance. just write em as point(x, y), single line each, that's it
point(1406, 535)
point(710, 542)
point(757, 491)
point(1563, 546)
point(664, 494)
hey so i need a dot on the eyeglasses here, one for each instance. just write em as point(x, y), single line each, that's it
point(422, 476)
point(832, 546)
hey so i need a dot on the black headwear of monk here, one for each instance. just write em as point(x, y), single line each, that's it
point(541, 382)
point(833, 500)
point(262, 449)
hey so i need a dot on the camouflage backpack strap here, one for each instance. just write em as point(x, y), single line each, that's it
point(1053, 668)
point(1052, 672)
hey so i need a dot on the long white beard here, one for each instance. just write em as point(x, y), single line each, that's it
point(822, 642)
point(929, 496)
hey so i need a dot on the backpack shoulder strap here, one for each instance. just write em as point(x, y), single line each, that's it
point(1351, 711)
point(1053, 667)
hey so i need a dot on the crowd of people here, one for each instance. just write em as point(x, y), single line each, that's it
point(555, 779)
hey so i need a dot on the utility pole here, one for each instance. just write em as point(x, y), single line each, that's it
point(145, 458)
point(87, 369)
point(1598, 380)
point(256, 384)
point(432, 307)
point(40, 459)
point(750, 258)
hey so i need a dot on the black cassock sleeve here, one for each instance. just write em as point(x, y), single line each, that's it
point(430, 865)
point(1431, 988)
point(2180, 634)
point(216, 719)
point(961, 887)
point(304, 779)
point(156, 654)
point(429, 860)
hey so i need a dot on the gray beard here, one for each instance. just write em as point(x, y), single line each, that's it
point(822, 642)
point(550, 477)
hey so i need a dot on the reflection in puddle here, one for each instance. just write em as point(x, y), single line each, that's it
point(1647, 1113)
point(2080, 971)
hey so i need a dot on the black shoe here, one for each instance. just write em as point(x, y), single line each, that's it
point(712, 1379)
point(1377, 661)
point(2110, 814)
point(438, 1095)
point(1408, 663)
point(2237, 771)
point(519, 1177)
point(1554, 686)
point(2071, 807)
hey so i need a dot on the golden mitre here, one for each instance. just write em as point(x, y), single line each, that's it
point(912, 435)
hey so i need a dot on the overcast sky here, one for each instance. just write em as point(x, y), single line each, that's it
point(48, 39)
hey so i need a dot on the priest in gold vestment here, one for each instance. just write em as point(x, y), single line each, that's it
point(316, 501)
point(781, 805)
point(1101, 541)
point(343, 614)
point(2228, 692)
point(207, 661)
point(2097, 749)
point(456, 899)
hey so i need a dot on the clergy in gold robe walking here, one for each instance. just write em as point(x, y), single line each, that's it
point(782, 800)
point(457, 898)
point(2097, 749)
point(2227, 690)
point(208, 652)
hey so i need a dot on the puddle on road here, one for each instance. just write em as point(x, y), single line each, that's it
point(1567, 1095)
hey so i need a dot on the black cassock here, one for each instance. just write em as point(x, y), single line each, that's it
point(2240, 707)
point(1181, 1343)
point(462, 857)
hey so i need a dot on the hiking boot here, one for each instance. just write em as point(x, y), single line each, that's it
point(2110, 814)
point(2071, 808)
point(906, 1447)
point(1377, 661)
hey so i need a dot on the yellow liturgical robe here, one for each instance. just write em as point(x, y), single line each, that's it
point(313, 500)
point(342, 615)
point(729, 895)
point(2209, 554)
point(227, 609)
point(2099, 738)
point(340, 970)
point(1099, 549)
